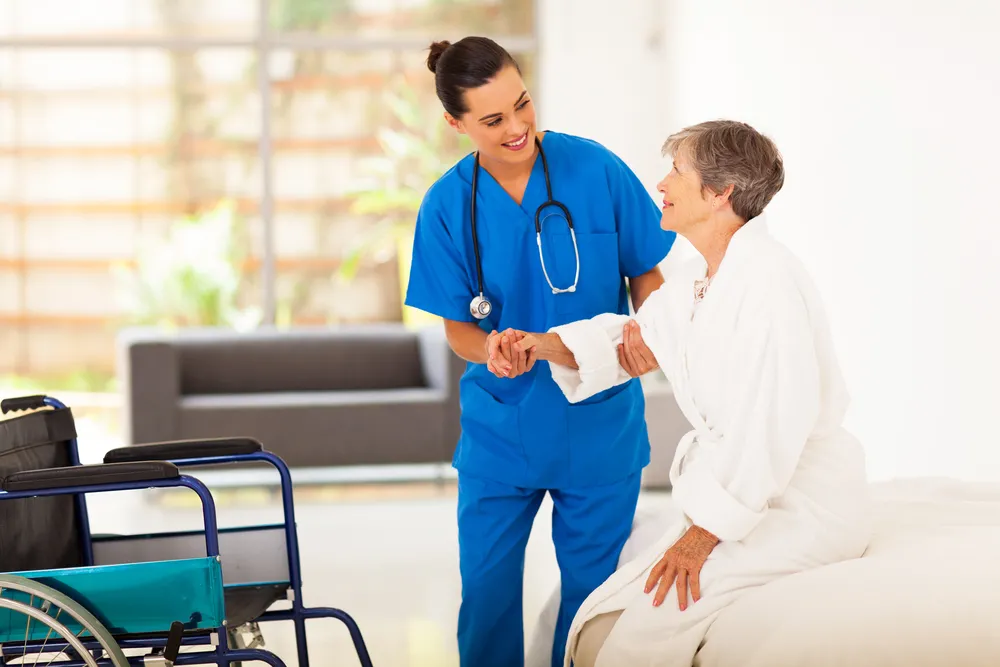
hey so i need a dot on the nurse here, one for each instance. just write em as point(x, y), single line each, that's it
point(488, 257)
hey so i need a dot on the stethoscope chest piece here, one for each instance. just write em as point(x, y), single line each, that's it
point(480, 307)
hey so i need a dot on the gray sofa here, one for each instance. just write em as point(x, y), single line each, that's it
point(362, 395)
point(344, 396)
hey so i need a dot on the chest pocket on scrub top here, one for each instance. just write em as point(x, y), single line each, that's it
point(600, 279)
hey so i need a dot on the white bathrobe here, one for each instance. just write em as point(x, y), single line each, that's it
point(768, 467)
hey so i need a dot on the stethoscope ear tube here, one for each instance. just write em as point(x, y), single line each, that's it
point(576, 250)
point(480, 306)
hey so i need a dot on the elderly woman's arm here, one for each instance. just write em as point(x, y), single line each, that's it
point(634, 356)
point(584, 355)
point(549, 347)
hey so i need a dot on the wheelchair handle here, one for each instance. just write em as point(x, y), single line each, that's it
point(22, 403)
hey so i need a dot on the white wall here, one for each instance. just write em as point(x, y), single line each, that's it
point(601, 76)
point(596, 68)
point(886, 112)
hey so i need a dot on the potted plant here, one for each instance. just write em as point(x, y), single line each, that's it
point(193, 276)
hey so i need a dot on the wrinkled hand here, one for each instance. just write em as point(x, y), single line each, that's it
point(633, 354)
point(528, 342)
point(682, 562)
point(504, 359)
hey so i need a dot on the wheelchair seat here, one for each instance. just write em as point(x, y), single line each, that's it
point(247, 603)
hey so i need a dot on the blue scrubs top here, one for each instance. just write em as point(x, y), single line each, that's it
point(523, 431)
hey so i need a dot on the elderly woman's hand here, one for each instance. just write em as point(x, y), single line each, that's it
point(633, 354)
point(683, 562)
point(503, 359)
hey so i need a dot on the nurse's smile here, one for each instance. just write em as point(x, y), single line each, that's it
point(518, 143)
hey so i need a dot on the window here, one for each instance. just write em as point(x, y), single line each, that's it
point(214, 162)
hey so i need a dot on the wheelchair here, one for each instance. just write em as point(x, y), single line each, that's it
point(70, 598)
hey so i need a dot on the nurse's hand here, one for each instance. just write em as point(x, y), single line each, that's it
point(504, 360)
point(682, 562)
point(633, 354)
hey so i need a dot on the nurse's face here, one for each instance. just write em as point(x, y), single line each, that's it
point(501, 119)
point(686, 203)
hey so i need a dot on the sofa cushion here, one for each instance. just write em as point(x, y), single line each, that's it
point(350, 359)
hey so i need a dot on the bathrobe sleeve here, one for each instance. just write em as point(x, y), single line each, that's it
point(594, 344)
point(772, 404)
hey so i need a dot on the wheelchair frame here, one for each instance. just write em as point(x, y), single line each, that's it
point(63, 481)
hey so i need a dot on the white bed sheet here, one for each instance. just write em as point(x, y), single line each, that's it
point(926, 593)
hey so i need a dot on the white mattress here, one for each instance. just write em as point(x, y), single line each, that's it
point(927, 592)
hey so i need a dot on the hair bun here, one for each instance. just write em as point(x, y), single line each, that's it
point(436, 51)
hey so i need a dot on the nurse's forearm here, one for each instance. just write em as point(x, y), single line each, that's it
point(642, 286)
point(551, 348)
point(467, 340)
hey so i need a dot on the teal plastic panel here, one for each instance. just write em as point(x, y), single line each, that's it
point(130, 599)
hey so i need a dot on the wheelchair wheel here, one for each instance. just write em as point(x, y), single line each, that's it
point(37, 620)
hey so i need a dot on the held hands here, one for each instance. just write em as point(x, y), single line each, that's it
point(513, 352)
point(682, 562)
point(507, 359)
point(633, 354)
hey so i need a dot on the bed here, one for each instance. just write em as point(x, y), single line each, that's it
point(926, 592)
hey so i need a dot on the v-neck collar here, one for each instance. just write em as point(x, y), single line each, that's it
point(534, 191)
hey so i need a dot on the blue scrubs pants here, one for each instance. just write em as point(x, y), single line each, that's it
point(589, 529)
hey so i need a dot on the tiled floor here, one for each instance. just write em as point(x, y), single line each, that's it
point(388, 555)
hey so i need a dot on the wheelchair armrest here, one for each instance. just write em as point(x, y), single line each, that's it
point(184, 449)
point(88, 475)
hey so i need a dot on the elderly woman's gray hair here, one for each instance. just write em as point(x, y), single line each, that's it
point(726, 152)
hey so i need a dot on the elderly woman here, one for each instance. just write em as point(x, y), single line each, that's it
point(768, 482)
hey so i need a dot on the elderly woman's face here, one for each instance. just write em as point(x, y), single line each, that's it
point(684, 202)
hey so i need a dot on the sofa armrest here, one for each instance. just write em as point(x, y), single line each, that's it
point(434, 351)
point(443, 369)
point(149, 374)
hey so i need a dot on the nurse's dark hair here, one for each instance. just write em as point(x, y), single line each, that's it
point(468, 63)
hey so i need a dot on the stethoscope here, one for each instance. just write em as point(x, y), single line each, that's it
point(481, 306)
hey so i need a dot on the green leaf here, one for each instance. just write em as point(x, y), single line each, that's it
point(405, 109)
